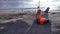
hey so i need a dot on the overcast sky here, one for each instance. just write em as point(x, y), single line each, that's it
point(28, 3)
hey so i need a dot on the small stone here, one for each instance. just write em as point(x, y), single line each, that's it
point(1, 28)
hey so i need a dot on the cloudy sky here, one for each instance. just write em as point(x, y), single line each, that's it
point(28, 3)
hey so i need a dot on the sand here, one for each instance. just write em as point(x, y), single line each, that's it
point(55, 25)
point(30, 16)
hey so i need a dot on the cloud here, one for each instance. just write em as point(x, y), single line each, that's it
point(27, 3)
point(13, 3)
point(56, 0)
point(15, 0)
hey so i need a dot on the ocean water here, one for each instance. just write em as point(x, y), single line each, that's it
point(24, 10)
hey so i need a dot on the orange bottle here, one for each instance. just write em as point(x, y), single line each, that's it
point(40, 19)
point(38, 16)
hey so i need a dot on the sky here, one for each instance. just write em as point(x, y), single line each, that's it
point(28, 3)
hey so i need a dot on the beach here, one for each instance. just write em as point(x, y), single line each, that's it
point(29, 17)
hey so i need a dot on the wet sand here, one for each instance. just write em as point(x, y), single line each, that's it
point(55, 25)
point(28, 25)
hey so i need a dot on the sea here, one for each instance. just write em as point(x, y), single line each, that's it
point(25, 9)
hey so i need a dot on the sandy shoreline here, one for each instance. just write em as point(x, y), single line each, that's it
point(55, 17)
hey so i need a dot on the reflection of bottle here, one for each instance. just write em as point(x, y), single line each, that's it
point(46, 13)
point(38, 9)
point(38, 15)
